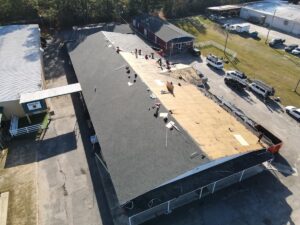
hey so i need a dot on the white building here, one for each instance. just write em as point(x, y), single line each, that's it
point(281, 16)
point(20, 66)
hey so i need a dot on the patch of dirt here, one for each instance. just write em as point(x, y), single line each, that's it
point(188, 75)
point(18, 177)
point(19, 181)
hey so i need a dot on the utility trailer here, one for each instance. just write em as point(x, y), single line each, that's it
point(273, 141)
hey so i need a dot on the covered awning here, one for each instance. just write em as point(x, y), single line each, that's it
point(50, 93)
point(224, 8)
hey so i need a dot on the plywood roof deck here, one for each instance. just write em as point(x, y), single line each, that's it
point(217, 132)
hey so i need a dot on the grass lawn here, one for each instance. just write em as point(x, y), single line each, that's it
point(273, 66)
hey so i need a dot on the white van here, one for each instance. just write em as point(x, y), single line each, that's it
point(261, 89)
point(215, 62)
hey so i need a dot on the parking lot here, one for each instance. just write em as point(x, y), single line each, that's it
point(263, 31)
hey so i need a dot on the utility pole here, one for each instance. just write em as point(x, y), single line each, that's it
point(226, 42)
point(270, 26)
point(297, 86)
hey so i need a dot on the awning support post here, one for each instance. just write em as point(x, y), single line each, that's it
point(129, 220)
point(200, 195)
point(213, 190)
point(168, 210)
point(28, 118)
point(242, 175)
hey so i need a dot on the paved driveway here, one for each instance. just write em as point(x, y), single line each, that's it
point(66, 188)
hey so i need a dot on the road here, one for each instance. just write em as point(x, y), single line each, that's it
point(270, 198)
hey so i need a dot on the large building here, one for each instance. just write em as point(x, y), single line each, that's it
point(21, 68)
point(162, 149)
point(168, 37)
point(281, 16)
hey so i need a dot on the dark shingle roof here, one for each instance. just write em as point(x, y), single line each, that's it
point(163, 29)
point(132, 140)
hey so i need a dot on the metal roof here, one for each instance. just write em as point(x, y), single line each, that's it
point(225, 7)
point(20, 57)
point(283, 10)
point(163, 29)
point(133, 141)
point(49, 93)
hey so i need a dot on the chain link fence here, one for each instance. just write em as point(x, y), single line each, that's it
point(209, 44)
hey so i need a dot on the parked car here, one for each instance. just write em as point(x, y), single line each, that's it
point(214, 61)
point(195, 52)
point(155, 48)
point(293, 111)
point(254, 34)
point(261, 89)
point(213, 17)
point(296, 51)
point(290, 48)
point(276, 42)
point(236, 78)
point(225, 25)
point(242, 28)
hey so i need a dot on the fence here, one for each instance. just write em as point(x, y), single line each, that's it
point(207, 44)
point(25, 130)
point(197, 194)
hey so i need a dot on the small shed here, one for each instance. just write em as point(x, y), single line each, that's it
point(161, 33)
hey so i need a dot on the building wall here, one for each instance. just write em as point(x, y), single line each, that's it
point(12, 108)
point(173, 47)
point(149, 35)
point(278, 23)
point(35, 107)
point(296, 29)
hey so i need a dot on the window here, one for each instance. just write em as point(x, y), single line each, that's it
point(298, 113)
point(34, 105)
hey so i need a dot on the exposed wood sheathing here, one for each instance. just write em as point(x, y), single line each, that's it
point(212, 128)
